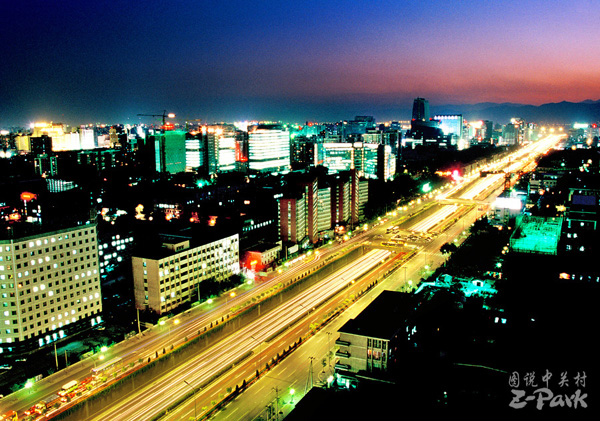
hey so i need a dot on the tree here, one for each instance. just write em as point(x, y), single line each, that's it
point(448, 248)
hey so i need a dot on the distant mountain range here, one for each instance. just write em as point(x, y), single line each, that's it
point(564, 112)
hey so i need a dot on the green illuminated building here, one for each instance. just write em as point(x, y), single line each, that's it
point(536, 234)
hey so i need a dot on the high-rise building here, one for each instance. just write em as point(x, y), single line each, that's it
point(363, 197)
point(451, 125)
point(386, 163)
point(221, 145)
point(292, 218)
point(422, 126)
point(335, 156)
point(324, 209)
point(41, 145)
point(87, 138)
point(241, 150)
point(372, 136)
point(341, 204)
point(580, 231)
point(169, 274)
point(169, 151)
point(360, 125)
point(488, 131)
point(50, 285)
point(420, 111)
point(370, 160)
point(268, 148)
point(302, 152)
point(195, 152)
point(308, 185)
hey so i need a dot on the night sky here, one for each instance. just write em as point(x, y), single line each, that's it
point(87, 61)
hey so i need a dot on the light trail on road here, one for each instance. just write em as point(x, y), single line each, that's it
point(157, 397)
point(434, 219)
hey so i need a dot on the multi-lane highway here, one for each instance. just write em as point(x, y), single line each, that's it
point(156, 398)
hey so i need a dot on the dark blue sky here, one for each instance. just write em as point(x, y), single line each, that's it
point(106, 61)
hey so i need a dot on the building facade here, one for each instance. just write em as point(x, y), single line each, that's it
point(369, 343)
point(50, 286)
point(324, 209)
point(268, 148)
point(292, 219)
point(170, 151)
point(221, 143)
point(169, 275)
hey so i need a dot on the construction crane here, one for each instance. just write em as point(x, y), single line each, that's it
point(164, 116)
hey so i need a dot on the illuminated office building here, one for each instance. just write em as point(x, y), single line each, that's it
point(169, 151)
point(62, 140)
point(366, 159)
point(363, 197)
point(386, 163)
point(169, 274)
point(195, 153)
point(370, 160)
point(221, 144)
point(451, 125)
point(87, 138)
point(50, 286)
point(372, 136)
point(268, 148)
point(324, 209)
point(335, 156)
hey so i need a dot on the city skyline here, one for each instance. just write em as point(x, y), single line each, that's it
point(85, 63)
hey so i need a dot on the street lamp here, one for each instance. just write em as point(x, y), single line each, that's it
point(231, 295)
point(100, 358)
point(175, 322)
point(194, 390)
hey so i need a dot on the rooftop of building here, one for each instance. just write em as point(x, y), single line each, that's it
point(468, 286)
point(265, 127)
point(263, 247)
point(536, 234)
point(383, 317)
point(22, 231)
point(151, 242)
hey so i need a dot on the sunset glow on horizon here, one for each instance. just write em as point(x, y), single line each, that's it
point(238, 60)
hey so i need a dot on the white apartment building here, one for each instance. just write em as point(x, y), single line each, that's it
point(49, 286)
point(167, 276)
